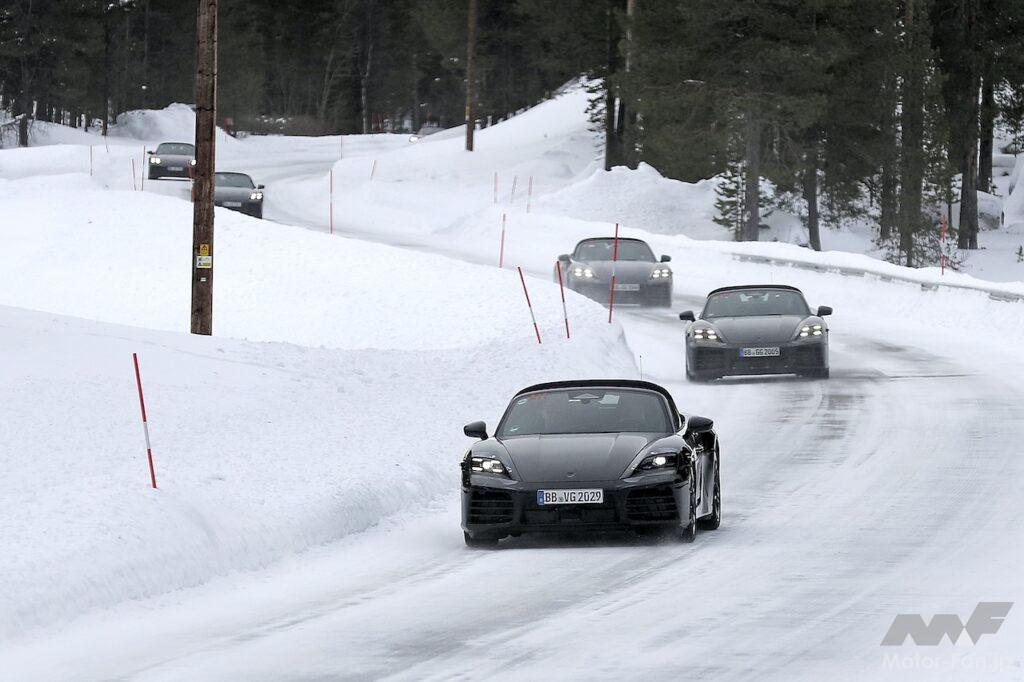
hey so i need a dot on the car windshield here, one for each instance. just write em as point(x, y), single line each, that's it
point(749, 302)
point(604, 249)
point(176, 149)
point(233, 180)
point(586, 410)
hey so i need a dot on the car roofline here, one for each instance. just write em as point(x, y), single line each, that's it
point(742, 287)
point(604, 383)
point(601, 239)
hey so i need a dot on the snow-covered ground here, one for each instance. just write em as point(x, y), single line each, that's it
point(307, 522)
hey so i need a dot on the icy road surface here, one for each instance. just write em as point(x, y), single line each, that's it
point(846, 501)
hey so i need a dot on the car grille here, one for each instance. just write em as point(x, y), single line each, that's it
point(490, 506)
point(809, 355)
point(651, 504)
point(709, 358)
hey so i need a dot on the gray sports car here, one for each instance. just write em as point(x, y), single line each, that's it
point(171, 160)
point(639, 276)
point(237, 191)
point(766, 329)
point(593, 455)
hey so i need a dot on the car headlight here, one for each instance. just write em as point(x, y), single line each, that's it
point(192, 162)
point(811, 330)
point(413, 138)
point(706, 334)
point(581, 271)
point(155, 160)
point(661, 273)
point(487, 465)
point(658, 461)
point(256, 196)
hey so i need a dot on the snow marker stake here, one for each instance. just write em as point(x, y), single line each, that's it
point(512, 195)
point(90, 161)
point(501, 248)
point(529, 194)
point(529, 305)
point(373, 169)
point(565, 314)
point(330, 192)
point(134, 187)
point(145, 423)
point(142, 175)
point(615, 258)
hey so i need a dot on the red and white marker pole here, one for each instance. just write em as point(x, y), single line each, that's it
point(512, 195)
point(529, 194)
point(330, 192)
point(561, 286)
point(529, 305)
point(501, 246)
point(942, 246)
point(615, 258)
point(145, 423)
point(142, 175)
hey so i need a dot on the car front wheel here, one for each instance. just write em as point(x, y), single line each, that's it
point(688, 533)
point(479, 543)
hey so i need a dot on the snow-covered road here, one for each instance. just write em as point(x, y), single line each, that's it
point(831, 528)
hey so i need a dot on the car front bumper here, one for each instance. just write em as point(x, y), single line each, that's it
point(649, 292)
point(713, 360)
point(495, 508)
point(252, 208)
point(164, 171)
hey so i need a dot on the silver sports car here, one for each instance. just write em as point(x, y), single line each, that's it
point(237, 191)
point(639, 276)
point(171, 160)
point(766, 329)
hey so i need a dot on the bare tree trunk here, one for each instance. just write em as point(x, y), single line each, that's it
point(968, 236)
point(364, 80)
point(988, 118)
point(107, 66)
point(752, 184)
point(912, 125)
point(471, 28)
point(810, 182)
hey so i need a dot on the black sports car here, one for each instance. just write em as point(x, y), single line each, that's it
point(591, 455)
point(756, 330)
point(237, 191)
point(639, 277)
point(171, 160)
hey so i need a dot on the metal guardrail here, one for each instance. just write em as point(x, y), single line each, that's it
point(995, 293)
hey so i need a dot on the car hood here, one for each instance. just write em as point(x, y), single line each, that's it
point(575, 458)
point(232, 193)
point(625, 270)
point(758, 329)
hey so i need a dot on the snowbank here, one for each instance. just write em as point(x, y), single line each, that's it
point(173, 123)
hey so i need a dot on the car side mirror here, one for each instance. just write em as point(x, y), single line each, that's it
point(824, 310)
point(476, 430)
point(666, 259)
point(150, 152)
point(697, 424)
point(687, 316)
point(260, 186)
point(565, 258)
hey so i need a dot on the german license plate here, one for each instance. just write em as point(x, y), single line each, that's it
point(233, 204)
point(764, 352)
point(627, 287)
point(578, 496)
point(175, 168)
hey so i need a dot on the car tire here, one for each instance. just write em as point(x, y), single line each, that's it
point(479, 543)
point(822, 373)
point(714, 519)
point(688, 533)
point(690, 376)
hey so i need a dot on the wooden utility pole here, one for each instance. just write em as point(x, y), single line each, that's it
point(471, 76)
point(206, 148)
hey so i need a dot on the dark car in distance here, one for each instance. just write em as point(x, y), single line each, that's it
point(591, 455)
point(756, 329)
point(238, 192)
point(639, 277)
point(172, 160)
